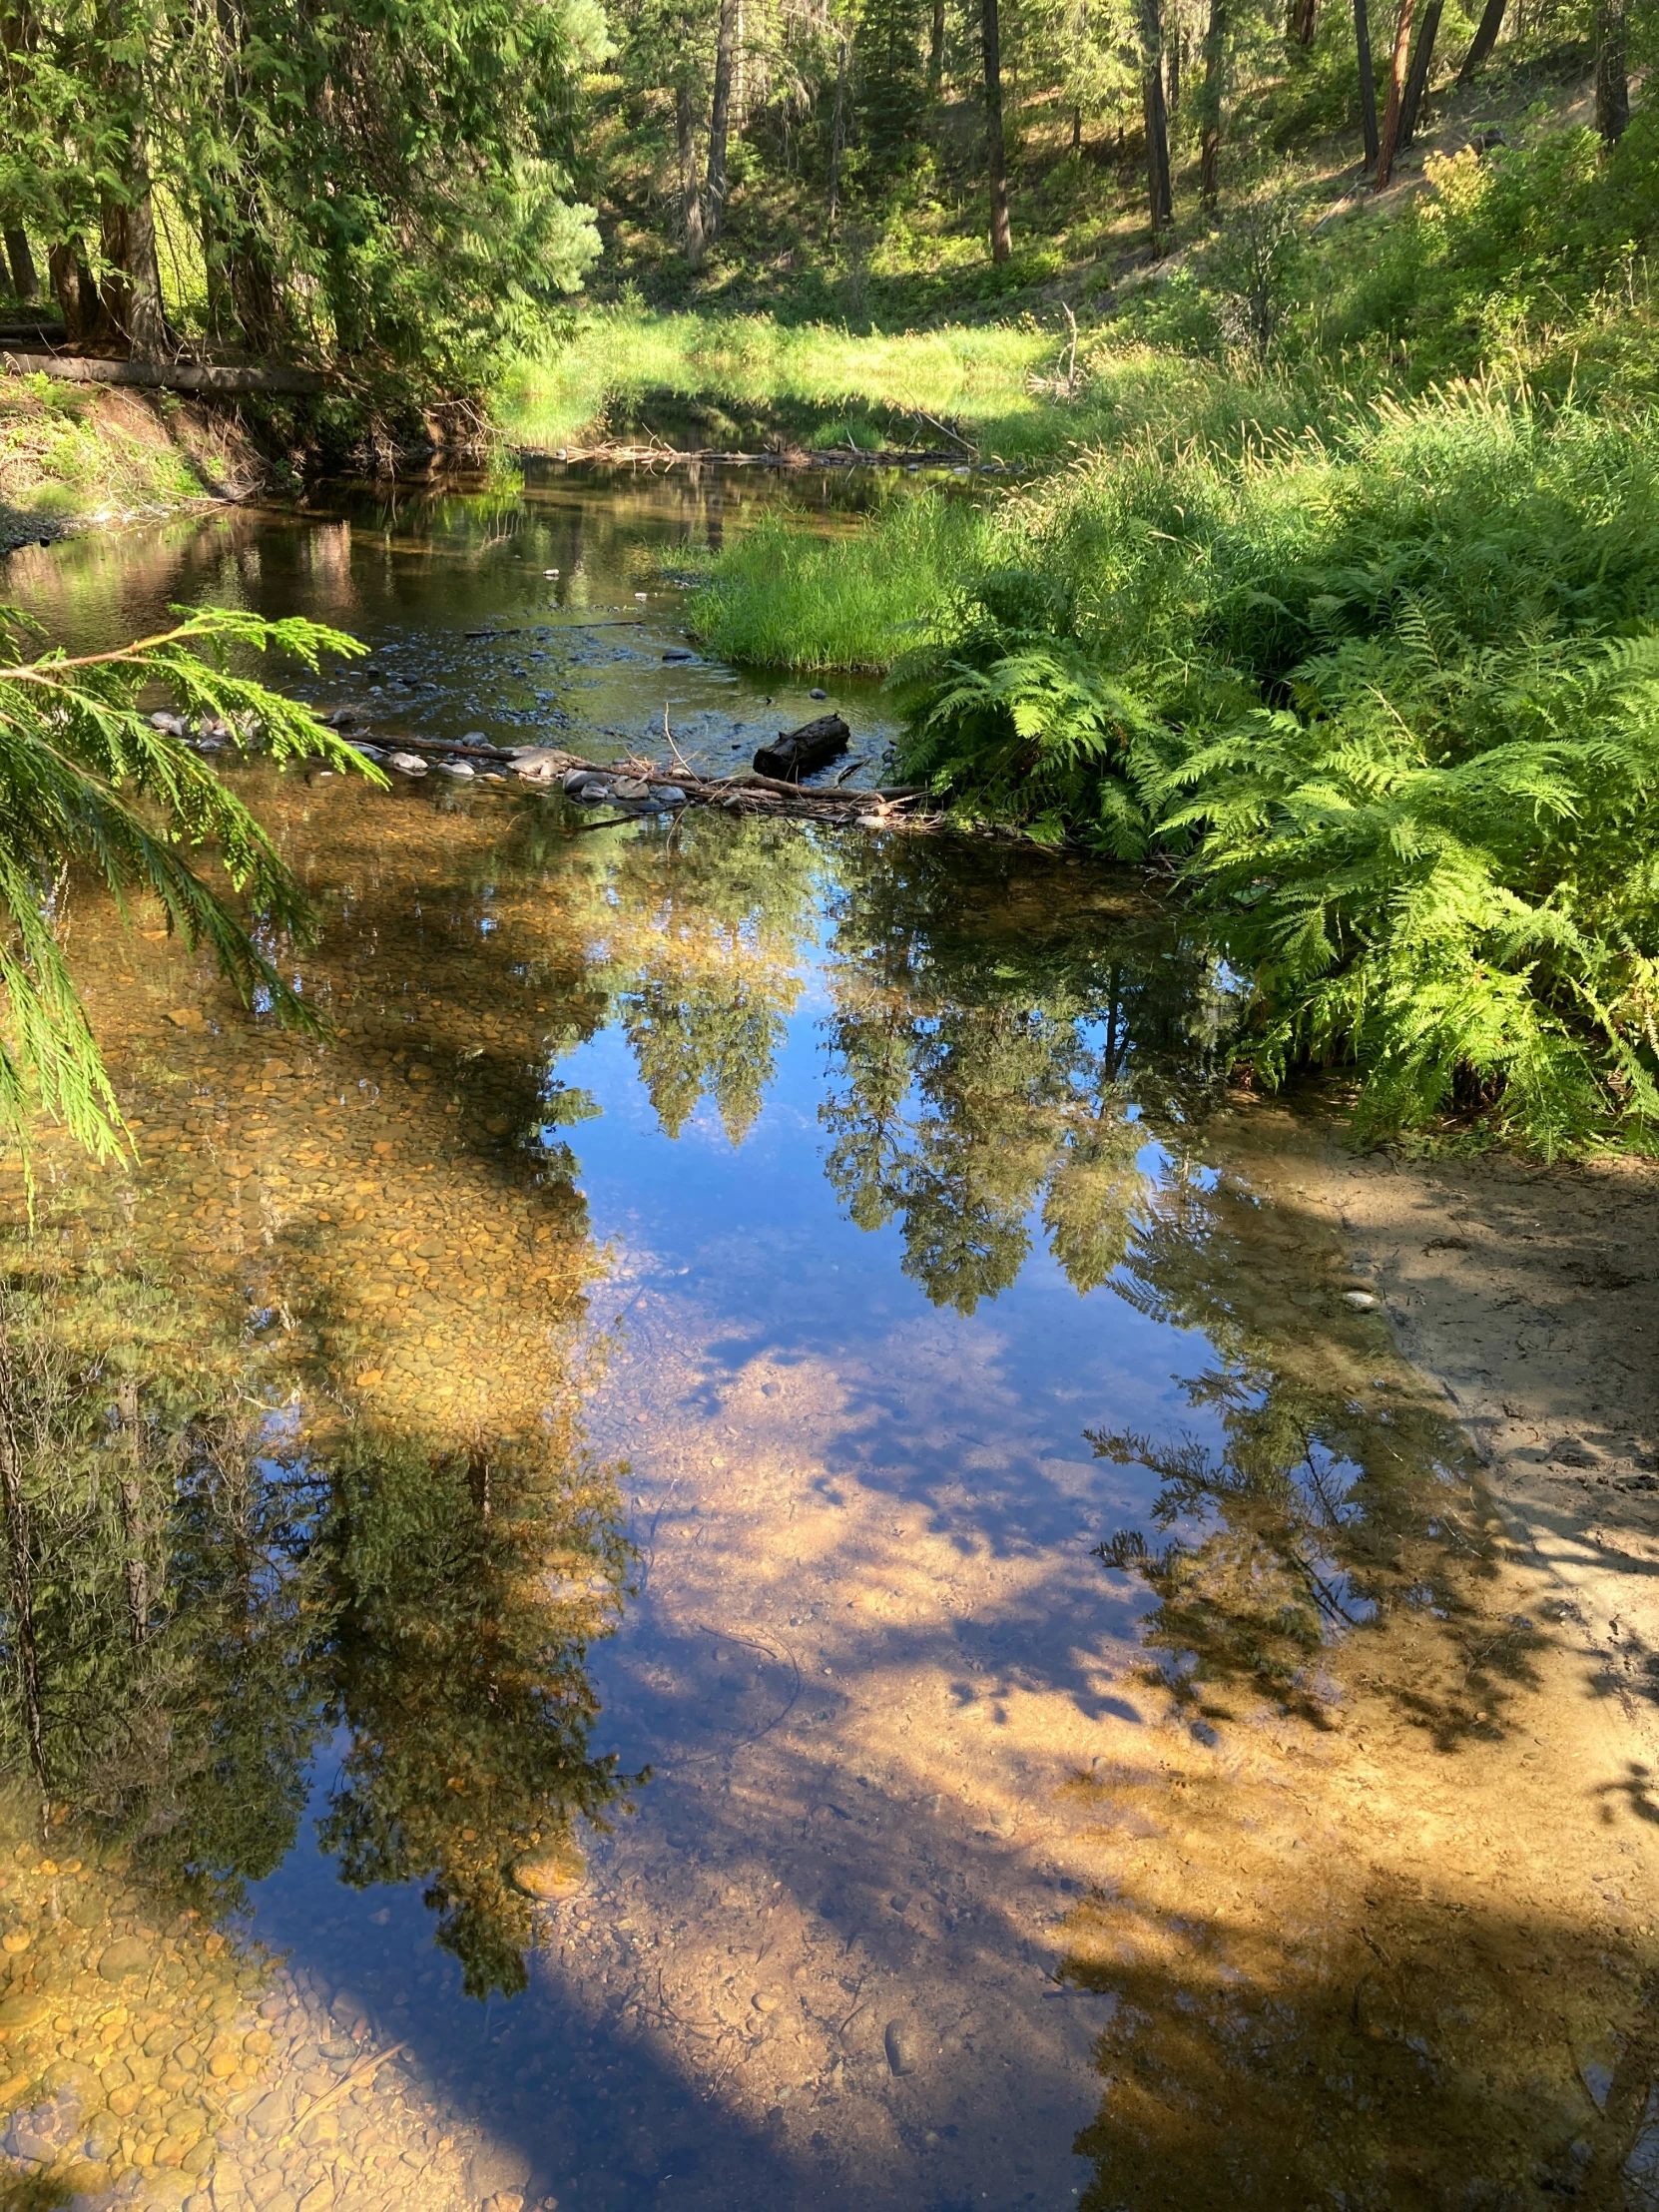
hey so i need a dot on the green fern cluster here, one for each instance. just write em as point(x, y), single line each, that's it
point(1390, 700)
point(88, 781)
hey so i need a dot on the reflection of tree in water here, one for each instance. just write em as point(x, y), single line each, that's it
point(1333, 1500)
point(998, 1048)
point(461, 1616)
point(1310, 2006)
point(703, 939)
point(209, 1596)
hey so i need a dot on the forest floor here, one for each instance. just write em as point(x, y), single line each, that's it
point(72, 456)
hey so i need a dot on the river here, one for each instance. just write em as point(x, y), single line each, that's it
point(759, 1381)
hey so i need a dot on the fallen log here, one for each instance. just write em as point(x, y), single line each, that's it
point(794, 753)
point(163, 376)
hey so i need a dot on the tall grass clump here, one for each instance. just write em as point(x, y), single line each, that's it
point(784, 598)
point(1388, 695)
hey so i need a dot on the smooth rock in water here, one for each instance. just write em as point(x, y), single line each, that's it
point(497, 2167)
point(127, 1955)
point(1360, 1300)
point(594, 793)
point(554, 1872)
point(23, 2011)
point(668, 795)
point(629, 786)
point(900, 2043)
point(406, 763)
point(462, 769)
point(270, 2117)
point(679, 653)
point(818, 691)
point(473, 737)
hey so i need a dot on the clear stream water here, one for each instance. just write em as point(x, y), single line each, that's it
point(766, 1359)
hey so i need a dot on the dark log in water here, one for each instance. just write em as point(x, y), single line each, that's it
point(794, 753)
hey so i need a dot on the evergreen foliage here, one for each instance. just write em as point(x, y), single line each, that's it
point(88, 781)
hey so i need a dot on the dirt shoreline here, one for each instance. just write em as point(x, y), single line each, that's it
point(1530, 1295)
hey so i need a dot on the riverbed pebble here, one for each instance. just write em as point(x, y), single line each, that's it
point(463, 769)
point(406, 763)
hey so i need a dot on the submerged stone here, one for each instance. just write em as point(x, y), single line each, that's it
point(555, 1872)
point(127, 1955)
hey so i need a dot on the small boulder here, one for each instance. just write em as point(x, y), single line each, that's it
point(127, 1955)
point(495, 2167)
point(406, 763)
point(463, 771)
point(552, 1873)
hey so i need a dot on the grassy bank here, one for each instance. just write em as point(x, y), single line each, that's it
point(750, 380)
point(72, 454)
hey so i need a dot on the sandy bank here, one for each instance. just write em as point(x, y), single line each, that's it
point(1529, 1295)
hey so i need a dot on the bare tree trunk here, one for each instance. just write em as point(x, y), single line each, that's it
point(935, 50)
point(1484, 39)
point(20, 1563)
point(1304, 20)
point(1159, 197)
point(1612, 73)
point(720, 121)
point(1397, 94)
point(1215, 78)
point(837, 137)
point(996, 151)
point(25, 282)
point(1172, 77)
point(1368, 79)
point(1417, 84)
point(690, 199)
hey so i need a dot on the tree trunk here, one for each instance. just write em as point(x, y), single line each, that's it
point(19, 1557)
point(1417, 84)
point(145, 322)
point(837, 137)
point(1485, 38)
point(690, 199)
point(1368, 79)
point(25, 282)
point(1215, 76)
point(257, 295)
point(1397, 94)
point(75, 293)
point(996, 153)
point(935, 50)
point(1304, 20)
point(720, 121)
point(1159, 197)
point(1172, 76)
point(1612, 75)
